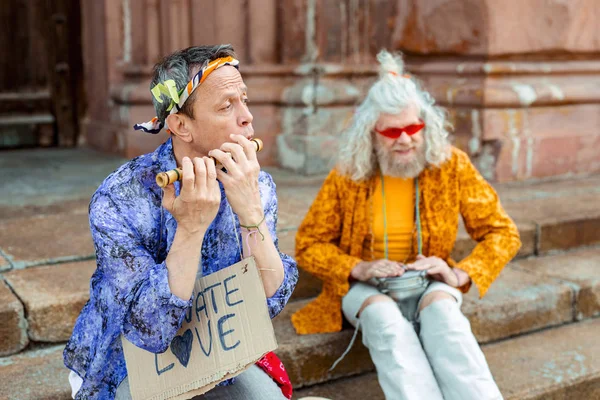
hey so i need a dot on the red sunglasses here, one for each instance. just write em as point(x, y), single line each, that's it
point(395, 133)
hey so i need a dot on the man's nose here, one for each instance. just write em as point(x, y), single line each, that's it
point(404, 138)
point(245, 118)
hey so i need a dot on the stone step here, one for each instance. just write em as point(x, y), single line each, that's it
point(35, 374)
point(53, 297)
point(559, 363)
point(529, 295)
point(579, 269)
point(13, 331)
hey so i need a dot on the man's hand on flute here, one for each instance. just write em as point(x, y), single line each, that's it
point(240, 181)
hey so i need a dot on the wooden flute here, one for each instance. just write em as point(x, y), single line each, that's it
point(166, 178)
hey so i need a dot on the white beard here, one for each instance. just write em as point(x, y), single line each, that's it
point(390, 167)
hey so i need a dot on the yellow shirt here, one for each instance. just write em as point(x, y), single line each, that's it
point(400, 213)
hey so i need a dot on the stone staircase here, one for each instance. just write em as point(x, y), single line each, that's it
point(536, 325)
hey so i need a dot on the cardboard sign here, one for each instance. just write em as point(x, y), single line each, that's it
point(227, 329)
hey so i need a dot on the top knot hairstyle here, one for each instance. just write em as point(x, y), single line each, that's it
point(394, 91)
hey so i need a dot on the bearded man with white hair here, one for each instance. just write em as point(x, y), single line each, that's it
point(388, 209)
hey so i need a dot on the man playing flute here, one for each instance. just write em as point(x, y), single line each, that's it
point(151, 244)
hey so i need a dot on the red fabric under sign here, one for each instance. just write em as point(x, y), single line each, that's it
point(273, 367)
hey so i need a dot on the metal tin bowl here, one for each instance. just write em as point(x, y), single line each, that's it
point(406, 290)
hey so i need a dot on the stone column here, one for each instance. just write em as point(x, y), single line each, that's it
point(101, 29)
point(331, 45)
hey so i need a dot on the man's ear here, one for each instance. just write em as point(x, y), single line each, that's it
point(178, 126)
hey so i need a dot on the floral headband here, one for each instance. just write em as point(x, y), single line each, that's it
point(178, 98)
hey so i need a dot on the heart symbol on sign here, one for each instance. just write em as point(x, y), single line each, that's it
point(181, 346)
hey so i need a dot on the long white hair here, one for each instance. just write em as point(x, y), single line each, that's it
point(392, 93)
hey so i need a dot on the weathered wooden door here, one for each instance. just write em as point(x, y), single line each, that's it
point(40, 73)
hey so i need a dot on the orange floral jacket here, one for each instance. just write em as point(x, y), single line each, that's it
point(332, 238)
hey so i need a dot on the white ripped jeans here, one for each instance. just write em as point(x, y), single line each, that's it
point(442, 362)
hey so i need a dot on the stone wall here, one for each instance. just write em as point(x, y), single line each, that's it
point(520, 79)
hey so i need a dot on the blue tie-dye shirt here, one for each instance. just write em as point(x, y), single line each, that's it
point(129, 291)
